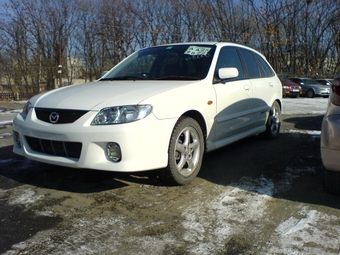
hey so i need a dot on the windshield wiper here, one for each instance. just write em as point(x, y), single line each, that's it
point(177, 77)
point(125, 77)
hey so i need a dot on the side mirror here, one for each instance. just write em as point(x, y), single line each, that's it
point(226, 73)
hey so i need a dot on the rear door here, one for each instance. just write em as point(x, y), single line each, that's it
point(264, 84)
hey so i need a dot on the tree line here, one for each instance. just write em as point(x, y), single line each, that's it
point(47, 41)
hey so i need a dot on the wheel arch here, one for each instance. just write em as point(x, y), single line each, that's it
point(199, 118)
point(279, 102)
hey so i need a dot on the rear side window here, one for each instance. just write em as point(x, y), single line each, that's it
point(253, 70)
point(264, 65)
point(229, 57)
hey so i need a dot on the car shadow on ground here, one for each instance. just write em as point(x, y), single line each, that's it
point(16, 170)
point(305, 122)
point(292, 162)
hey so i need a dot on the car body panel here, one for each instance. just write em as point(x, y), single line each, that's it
point(265, 90)
point(234, 108)
point(96, 95)
point(330, 138)
point(95, 139)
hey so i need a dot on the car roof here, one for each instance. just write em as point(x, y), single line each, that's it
point(303, 78)
point(216, 43)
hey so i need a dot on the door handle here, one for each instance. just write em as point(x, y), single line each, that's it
point(246, 87)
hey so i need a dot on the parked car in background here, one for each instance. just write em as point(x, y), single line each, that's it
point(289, 88)
point(330, 141)
point(160, 108)
point(327, 82)
point(311, 88)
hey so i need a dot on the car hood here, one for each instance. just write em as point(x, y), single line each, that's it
point(96, 95)
point(289, 84)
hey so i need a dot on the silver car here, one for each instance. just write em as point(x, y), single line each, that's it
point(330, 140)
point(311, 88)
point(327, 82)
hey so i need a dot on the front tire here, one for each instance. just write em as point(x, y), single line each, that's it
point(185, 152)
point(310, 93)
point(274, 122)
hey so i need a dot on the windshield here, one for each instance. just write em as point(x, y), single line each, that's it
point(174, 62)
point(283, 78)
point(309, 81)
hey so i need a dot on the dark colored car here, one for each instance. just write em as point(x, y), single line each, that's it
point(311, 88)
point(289, 88)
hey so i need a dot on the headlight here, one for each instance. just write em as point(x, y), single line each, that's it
point(121, 114)
point(28, 106)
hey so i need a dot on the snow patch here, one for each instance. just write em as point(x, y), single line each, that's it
point(306, 235)
point(293, 225)
point(5, 135)
point(212, 224)
point(315, 133)
point(24, 197)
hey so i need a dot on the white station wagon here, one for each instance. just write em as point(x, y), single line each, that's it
point(160, 108)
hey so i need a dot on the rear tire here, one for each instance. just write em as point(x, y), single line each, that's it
point(273, 123)
point(185, 152)
point(331, 181)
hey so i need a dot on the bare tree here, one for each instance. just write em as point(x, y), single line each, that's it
point(86, 37)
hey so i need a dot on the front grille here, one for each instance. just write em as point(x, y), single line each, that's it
point(65, 116)
point(56, 148)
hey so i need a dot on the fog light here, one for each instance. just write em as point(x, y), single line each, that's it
point(113, 152)
point(16, 138)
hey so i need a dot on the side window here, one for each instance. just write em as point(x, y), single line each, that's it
point(251, 64)
point(264, 65)
point(229, 58)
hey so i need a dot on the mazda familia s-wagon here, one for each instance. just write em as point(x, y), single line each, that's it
point(161, 108)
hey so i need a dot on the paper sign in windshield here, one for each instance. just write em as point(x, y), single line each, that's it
point(195, 51)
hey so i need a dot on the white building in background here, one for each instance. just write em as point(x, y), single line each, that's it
point(74, 71)
point(74, 67)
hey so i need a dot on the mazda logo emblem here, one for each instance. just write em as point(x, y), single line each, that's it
point(54, 117)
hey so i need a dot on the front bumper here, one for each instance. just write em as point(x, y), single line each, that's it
point(144, 143)
point(330, 142)
point(292, 94)
point(322, 93)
